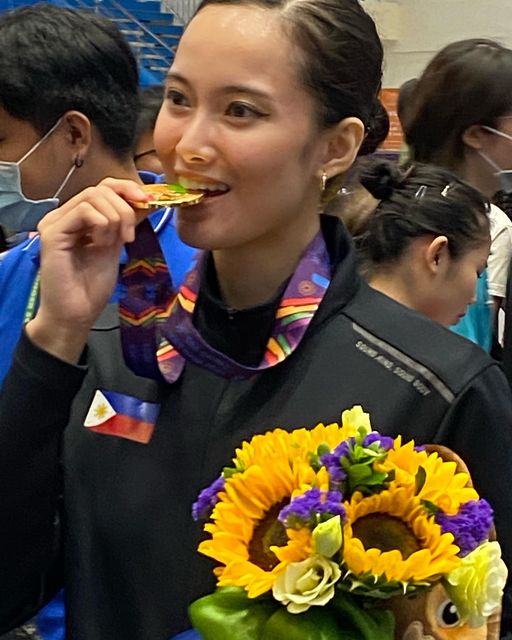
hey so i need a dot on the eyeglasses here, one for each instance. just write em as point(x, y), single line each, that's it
point(144, 153)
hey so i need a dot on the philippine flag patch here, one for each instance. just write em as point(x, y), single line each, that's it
point(116, 414)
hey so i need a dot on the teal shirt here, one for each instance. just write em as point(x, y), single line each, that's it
point(476, 325)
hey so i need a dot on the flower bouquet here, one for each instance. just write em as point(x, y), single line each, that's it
point(326, 533)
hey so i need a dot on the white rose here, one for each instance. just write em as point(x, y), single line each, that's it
point(476, 586)
point(307, 583)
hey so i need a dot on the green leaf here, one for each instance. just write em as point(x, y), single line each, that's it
point(373, 451)
point(421, 478)
point(432, 508)
point(345, 463)
point(358, 473)
point(317, 623)
point(370, 623)
point(377, 478)
point(229, 613)
point(358, 453)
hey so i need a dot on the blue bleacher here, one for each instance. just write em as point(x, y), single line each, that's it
point(152, 34)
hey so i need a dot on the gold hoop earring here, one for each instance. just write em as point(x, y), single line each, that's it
point(323, 180)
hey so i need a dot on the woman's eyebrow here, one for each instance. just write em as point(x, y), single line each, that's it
point(229, 89)
point(241, 88)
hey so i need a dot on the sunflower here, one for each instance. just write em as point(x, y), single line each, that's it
point(262, 446)
point(442, 485)
point(300, 442)
point(291, 445)
point(405, 461)
point(246, 535)
point(390, 538)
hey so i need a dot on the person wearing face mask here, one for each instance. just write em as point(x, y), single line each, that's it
point(504, 175)
point(459, 116)
point(17, 211)
point(59, 136)
point(19, 214)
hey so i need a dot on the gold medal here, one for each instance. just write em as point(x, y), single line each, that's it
point(167, 195)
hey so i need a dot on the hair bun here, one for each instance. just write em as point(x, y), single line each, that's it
point(381, 179)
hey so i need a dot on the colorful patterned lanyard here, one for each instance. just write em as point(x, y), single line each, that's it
point(157, 330)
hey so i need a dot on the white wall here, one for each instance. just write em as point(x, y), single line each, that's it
point(425, 26)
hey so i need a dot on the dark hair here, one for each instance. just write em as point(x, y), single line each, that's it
point(341, 61)
point(150, 101)
point(468, 82)
point(420, 201)
point(56, 59)
point(377, 132)
point(404, 97)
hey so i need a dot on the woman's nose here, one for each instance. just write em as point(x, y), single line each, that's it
point(195, 144)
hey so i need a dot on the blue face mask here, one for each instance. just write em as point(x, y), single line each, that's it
point(18, 213)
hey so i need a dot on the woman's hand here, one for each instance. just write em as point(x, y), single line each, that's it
point(80, 246)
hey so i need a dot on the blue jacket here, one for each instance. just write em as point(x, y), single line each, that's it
point(20, 265)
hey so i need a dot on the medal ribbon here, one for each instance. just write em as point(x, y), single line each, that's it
point(157, 330)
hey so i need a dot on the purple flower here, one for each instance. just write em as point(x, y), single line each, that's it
point(208, 498)
point(343, 449)
point(470, 527)
point(385, 442)
point(331, 462)
point(312, 507)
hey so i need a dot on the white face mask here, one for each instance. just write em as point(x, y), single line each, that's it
point(17, 212)
point(504, 175)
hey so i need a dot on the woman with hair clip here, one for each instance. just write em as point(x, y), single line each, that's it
point(459, 116)
point(266, 103)
point(427, 242)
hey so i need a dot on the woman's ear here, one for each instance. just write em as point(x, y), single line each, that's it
point(342, 144)
point(77, 133)
point(436, 255)
point(475, 137)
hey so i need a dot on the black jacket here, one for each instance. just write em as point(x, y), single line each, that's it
point(130, 562)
